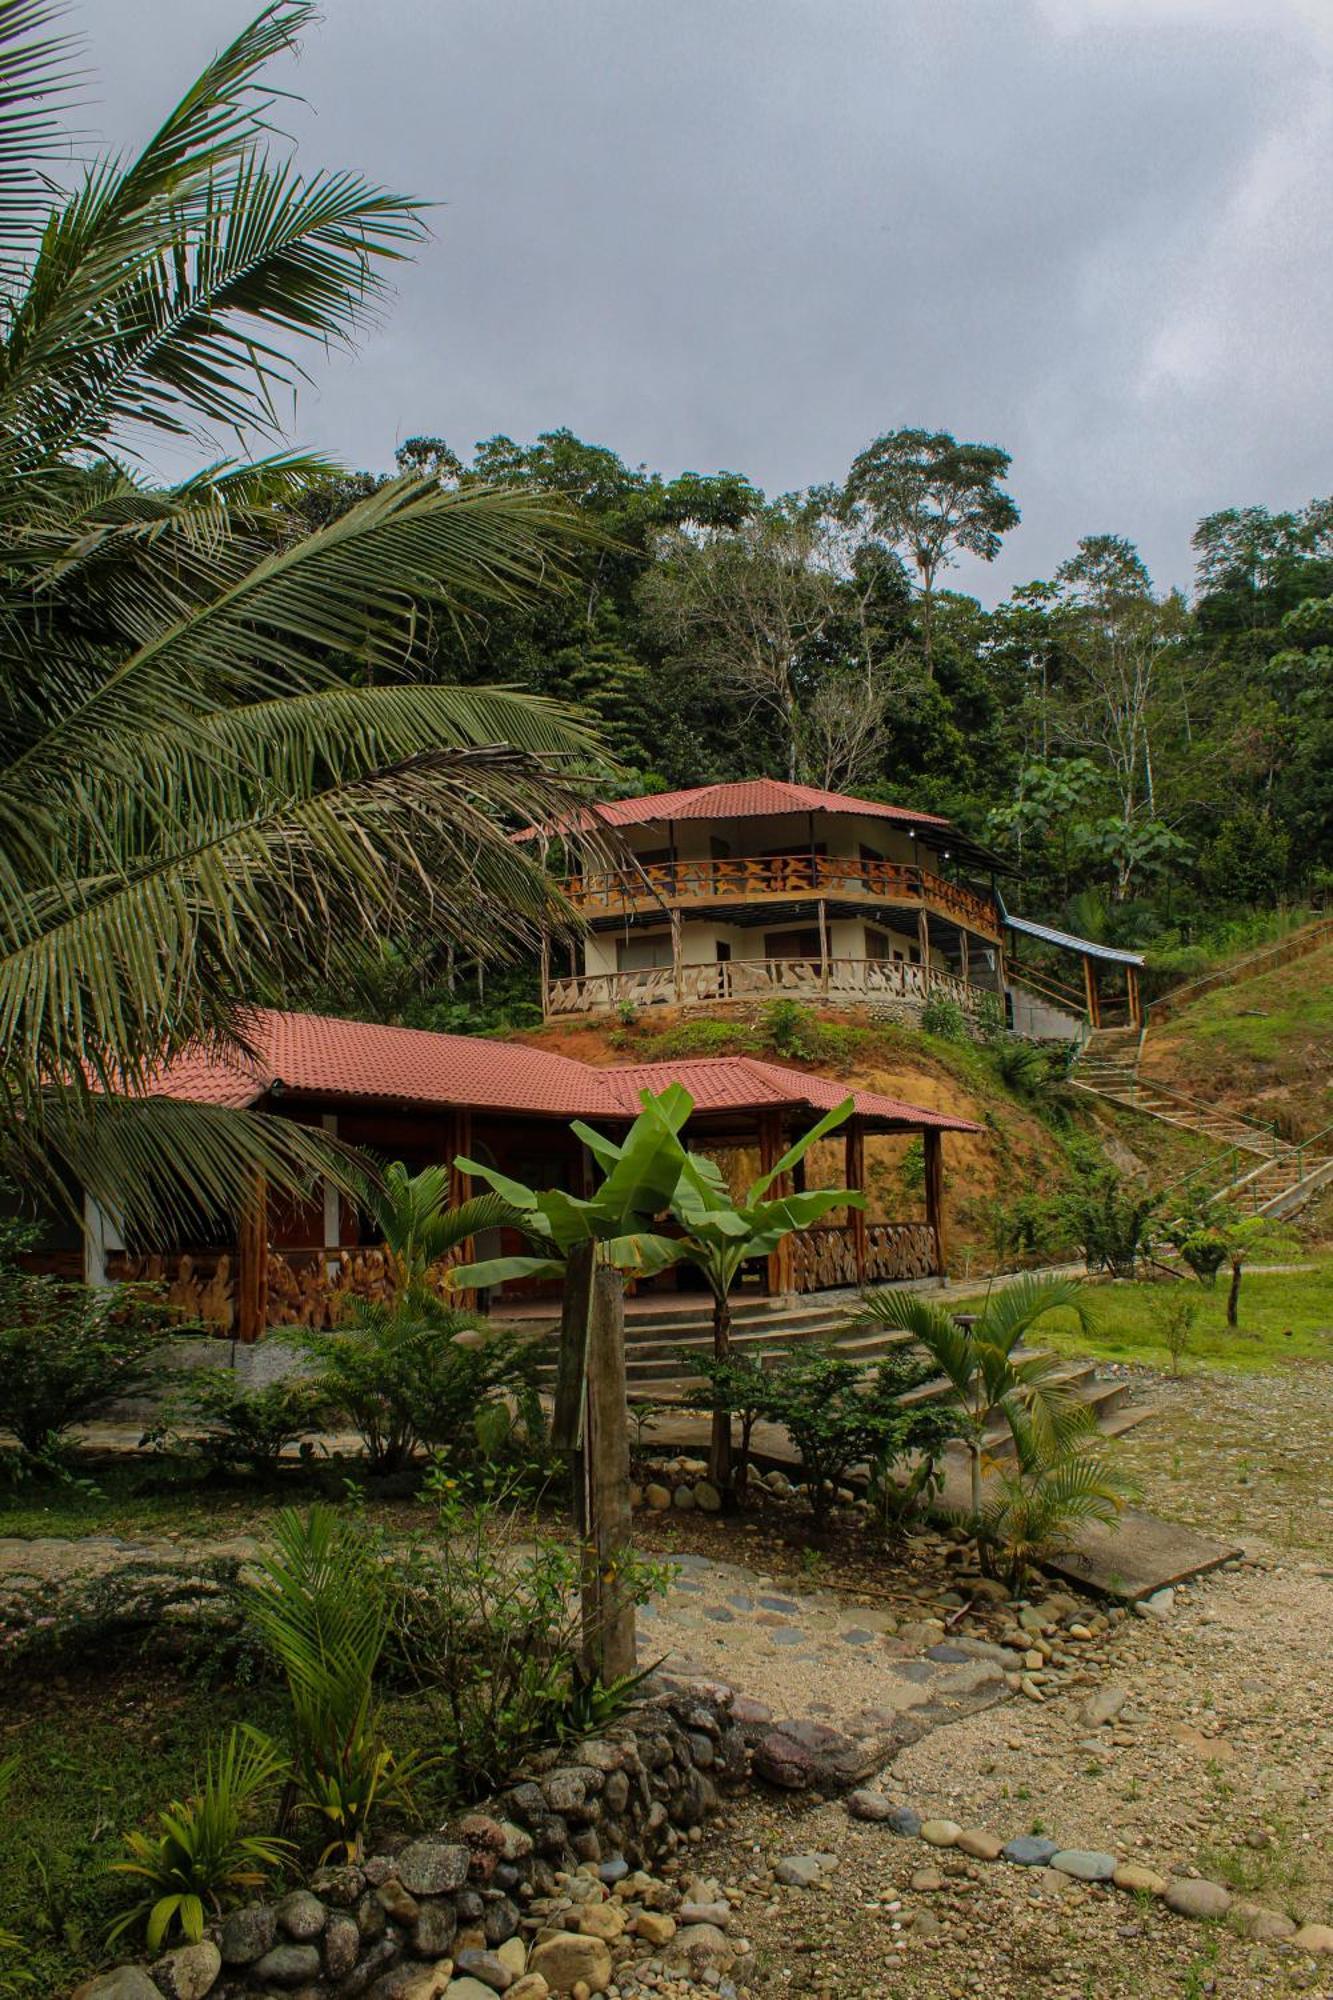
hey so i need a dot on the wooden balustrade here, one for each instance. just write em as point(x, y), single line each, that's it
point(675, 885)
point(307, 1285)
point(823, 1259)
point(864, 979)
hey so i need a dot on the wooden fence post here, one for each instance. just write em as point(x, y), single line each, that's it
point(854, 1178)
point(252, 1266)
point(934, 1165)
point(609, 1640)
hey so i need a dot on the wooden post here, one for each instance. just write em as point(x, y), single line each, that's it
point(934, 1163)
point(823, 945)
point(1132, 992)
point(963, 959)
point(854, 1179)
point(546, 974)
point(675, 955)
point(923, 944)
point(459, 1140)
point(252, 1266)
point(1090, 992)
point(602, 1485)
point(770, 1152)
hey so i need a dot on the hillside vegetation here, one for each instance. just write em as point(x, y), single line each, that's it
point(1037, 1135)
point(1263, 1045)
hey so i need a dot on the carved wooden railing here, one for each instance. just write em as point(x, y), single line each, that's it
point(776, 878)
point(823, 1259)
point(307, 1285)
point(864, 979)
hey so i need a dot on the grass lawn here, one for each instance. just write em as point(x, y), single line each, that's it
point(1284, 1317)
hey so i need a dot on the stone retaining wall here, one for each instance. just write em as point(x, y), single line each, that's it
point(473, 1894)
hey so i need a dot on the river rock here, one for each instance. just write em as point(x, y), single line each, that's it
point(979, 1844)
point(1029, 1850)
point(1104, 1705)
point(1085, 1864)
point(940, 1832)
point(126, 1982)
point(191, 1972)
point(289, 1965)
point(567, 1958)
point(1191, 1898)
point(433, 1867)
point(657, 1497)
point(1137, 1880)
point(247, 1934)
point(1314, 1937)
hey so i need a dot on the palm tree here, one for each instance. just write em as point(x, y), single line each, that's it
point(224, 767)
point(987, 1373)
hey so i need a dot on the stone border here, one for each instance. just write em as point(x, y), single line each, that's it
point(526, 1897)
point(1186, 1895)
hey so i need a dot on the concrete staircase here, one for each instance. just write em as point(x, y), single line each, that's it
point(1259, 1172)
point(661, 1333)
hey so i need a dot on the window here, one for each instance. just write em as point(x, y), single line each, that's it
point(640, 954)
point(791, 944)
point(723, 950)
point(877, 945)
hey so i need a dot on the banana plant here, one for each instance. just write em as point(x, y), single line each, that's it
point(722, 1234)
point(639, 1179)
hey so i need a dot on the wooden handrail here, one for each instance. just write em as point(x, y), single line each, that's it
point(767, 877)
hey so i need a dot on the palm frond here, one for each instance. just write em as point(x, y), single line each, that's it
point(37, 78)
point(1013, 1310)
point(933, 1327)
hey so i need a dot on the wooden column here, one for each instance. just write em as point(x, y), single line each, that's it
point(934, 1163)
point(546, 974)
point(770, 1152)
point(675, 956)
point(964, 962)
point(823, 945)
point(1090, 992)
point(854, 1179)
point(252, 1266)
point(923, 944)
point(1132, 992)
point(591, 1422)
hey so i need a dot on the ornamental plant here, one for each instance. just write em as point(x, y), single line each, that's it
point(203, 1855)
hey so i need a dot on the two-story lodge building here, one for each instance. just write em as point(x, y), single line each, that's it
point(741, 892)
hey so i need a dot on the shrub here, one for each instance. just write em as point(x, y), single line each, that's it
point(320, 1606)
point(945, 1019)
point(67, 1350)
point(817, 1396)
point(1022, 1067)
point(413, 1375)
point(915, 1438)
point(1205, 1251)
point(214, 1414)
point(202, 1857)
point(735, 1383)
point(14, 1974)
point(788, 1028)
point(486, 1628)
point(1175, 1313)
point(1111, 1223)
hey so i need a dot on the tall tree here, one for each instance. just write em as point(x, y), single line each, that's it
point(219, 766)
point(930, 497)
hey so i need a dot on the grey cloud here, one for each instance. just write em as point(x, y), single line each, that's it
point(755, 233)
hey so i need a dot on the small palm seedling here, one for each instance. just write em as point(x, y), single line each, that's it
point(202, 1856)
point(1036, 1506)
point(321, 1608)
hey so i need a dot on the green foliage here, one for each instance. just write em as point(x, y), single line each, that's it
point(227, 765)
point(67, 1350)
point(1111, 1222)
point(419, 1227)
point(1247, 859)
point(944, 1019)
point(1031, 1225)
point(1175, 1312)
point(788, 1028)
point(817, 1396)
point(1037, 1506)
point(15, 1974)
point(732, 1385)
point(1022, 1067)
point(214, 1414)
point(203, 1857)
point(986, 1369)
point(486, 1630)
point(321, 1608)
point(412, 1375)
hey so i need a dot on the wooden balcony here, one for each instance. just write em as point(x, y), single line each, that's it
point(847, 979)
point(778, 878)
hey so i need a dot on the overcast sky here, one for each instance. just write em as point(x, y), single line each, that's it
point(756, 233)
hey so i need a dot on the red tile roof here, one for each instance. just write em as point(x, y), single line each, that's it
point(749, 800)
point(314, 1055)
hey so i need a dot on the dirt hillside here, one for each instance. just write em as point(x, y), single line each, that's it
point(1016, 1151)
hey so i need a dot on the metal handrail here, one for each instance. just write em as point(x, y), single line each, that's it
point(1203, 982)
